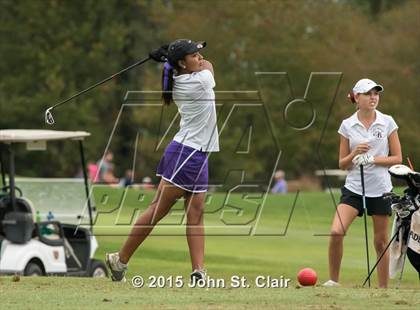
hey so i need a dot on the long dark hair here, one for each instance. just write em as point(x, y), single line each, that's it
point(351, 96)
point(167, 83)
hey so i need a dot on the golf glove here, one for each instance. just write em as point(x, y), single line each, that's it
point(363, 159)
point(160, 54)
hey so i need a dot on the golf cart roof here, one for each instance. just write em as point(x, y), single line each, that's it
point(33, 135)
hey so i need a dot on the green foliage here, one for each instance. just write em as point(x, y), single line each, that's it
point(374, 7)
point(52, 49)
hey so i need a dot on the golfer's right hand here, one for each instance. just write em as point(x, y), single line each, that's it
point(160, 54)
point(361, 148)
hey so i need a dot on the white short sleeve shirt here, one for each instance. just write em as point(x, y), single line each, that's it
point(377, 178)
point(194, 96)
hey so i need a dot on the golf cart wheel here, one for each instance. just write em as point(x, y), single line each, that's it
point(33, 269)
point(97, 269)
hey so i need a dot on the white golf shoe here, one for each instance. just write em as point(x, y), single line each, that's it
point(331, 283)
point(117, 268)
point(197, 275)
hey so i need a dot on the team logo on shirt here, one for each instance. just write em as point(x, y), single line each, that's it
point(378, 134)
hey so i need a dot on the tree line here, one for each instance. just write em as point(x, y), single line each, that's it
point(283, 70)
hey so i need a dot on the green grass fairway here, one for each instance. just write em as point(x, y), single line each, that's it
point(235, 245)
point(73, 293)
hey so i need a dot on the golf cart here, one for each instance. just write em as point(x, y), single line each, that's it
point(29, 246)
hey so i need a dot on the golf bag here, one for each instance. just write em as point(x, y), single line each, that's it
point(406, 226)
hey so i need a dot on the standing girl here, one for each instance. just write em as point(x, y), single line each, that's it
point(188, 80)
point(367, 138)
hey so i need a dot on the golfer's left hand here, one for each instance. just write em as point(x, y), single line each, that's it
point(363, 159)
point(160, 54)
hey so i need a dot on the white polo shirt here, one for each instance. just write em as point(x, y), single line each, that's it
point(193, 94)
point(377, 178)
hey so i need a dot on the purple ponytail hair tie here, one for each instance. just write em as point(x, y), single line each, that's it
point(166, 68)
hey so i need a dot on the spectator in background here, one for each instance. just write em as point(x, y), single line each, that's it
point(128, 179)
point(147, 183)
point(106, 169)
point(280, 185)
point(92, 172)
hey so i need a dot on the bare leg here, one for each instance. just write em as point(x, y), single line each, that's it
point(166, 196)
point(194, 206)
point(380, 230)
point(344, 216)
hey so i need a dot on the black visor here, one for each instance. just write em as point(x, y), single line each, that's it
point(180, 48)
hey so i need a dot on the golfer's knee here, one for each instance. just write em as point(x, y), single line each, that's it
point(380, 243)
point(337, 234)
point(195, 212)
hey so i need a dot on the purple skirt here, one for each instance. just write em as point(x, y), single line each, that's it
point(185, 167)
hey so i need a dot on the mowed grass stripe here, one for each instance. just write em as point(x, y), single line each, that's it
point(72, 293)
point(249, 256)
point(304, 244)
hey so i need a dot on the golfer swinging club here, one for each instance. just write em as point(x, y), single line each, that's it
point(188, 80)
point(367, 138)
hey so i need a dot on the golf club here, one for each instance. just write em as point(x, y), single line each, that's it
point(362, 177)
point(49, 119)
point(159, 55)
point(402, 271)
point(383, 253)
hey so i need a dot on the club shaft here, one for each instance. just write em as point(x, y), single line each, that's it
point(382, 255)
point(402, 270)
point(101, 82)
point(362, 177)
